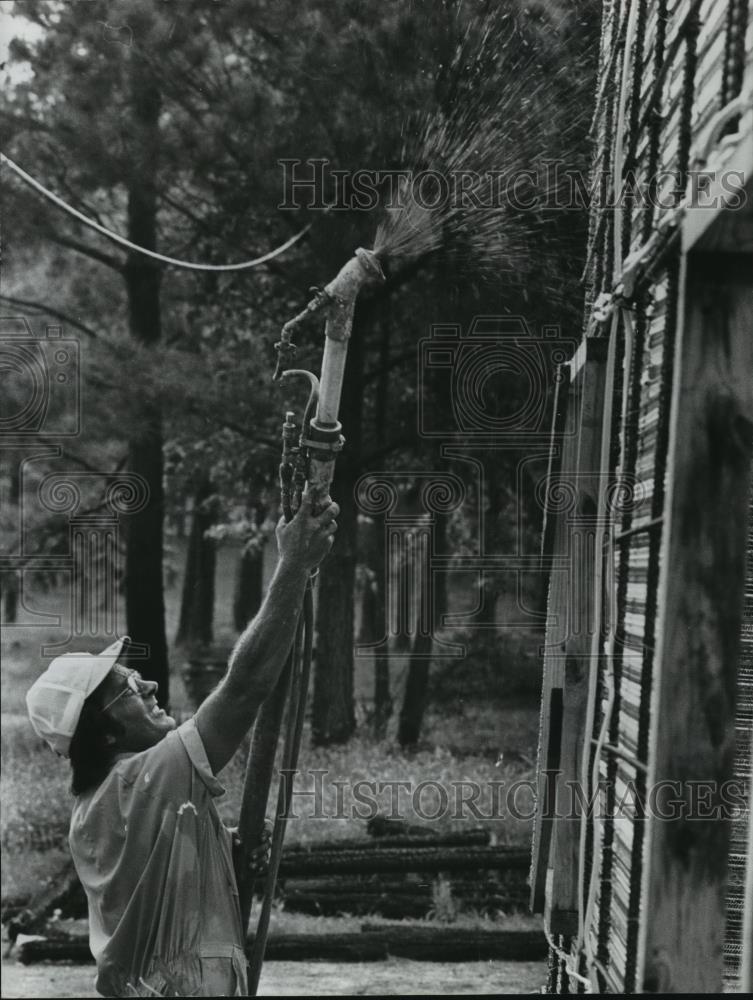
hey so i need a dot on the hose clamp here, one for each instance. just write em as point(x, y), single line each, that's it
point(333, 446)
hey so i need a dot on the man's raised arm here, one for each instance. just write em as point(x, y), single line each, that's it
point(260, 653)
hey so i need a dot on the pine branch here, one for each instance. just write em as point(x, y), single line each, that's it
point(83, 248)
point(44, 309)
point(75, 199)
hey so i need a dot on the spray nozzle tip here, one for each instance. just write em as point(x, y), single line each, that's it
point(371, 264)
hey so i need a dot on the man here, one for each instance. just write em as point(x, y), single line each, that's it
point(146, 839)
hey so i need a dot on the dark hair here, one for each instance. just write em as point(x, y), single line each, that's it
point(91, 753)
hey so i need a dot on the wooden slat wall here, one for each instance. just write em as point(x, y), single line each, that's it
point(739, 838)
point(688, 42)
point(700, 611)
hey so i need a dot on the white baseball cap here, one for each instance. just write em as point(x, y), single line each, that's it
point(55, 699)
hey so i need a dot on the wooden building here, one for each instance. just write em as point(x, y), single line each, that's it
point(642, 842)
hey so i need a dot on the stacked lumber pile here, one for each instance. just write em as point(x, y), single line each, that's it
point(373, 943)
point(398, 872)
point(398, 876)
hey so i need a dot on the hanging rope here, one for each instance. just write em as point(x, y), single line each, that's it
point(122, 241)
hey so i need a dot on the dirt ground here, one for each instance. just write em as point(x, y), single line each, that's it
point(395, 977)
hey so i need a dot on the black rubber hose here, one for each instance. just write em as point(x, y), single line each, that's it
point(300, 675)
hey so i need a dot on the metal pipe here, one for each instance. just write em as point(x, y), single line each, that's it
point(362, 269)
point(325, 439)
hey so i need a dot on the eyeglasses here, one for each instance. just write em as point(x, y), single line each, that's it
point(132, 687)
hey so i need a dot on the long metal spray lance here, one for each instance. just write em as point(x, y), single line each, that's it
point(308, 465)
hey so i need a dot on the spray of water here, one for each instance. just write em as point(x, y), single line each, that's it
point(489, 166)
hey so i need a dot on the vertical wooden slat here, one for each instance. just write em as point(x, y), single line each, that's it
point(549, 759)
point(740, 854)
point(576, 420)
point(563, 904)
point(746, 968)
point(550, 721)
point(559, 419)
point(698, 628)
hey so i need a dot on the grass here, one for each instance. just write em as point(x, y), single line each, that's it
point(34, 795)
point(36, 801)
point(462, 743)
point(25, 872)
point(301, 923)
point(282, 922)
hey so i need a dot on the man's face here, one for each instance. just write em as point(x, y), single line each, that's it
point(127, 697)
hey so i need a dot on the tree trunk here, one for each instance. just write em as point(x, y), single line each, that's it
point(10, 598)
point(11, 579)
point(249, 583)
point(382, 696)
point(372, 630)
point(196, 623)
point(414, 699)
point(489, 582)
point(333, 716)
point(417, 683)
point(248, 588)
point(144, 593)
point(442, 548)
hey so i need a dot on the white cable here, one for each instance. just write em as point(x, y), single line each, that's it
point(186, 264)
point(624, 276)
point(567, 959)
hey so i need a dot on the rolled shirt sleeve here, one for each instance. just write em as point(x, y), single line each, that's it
point(194, 747)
